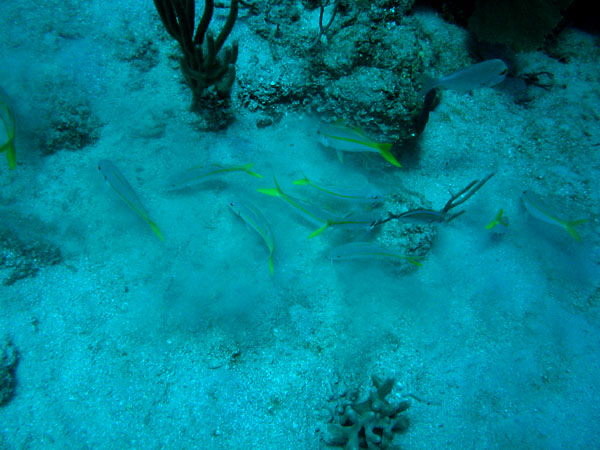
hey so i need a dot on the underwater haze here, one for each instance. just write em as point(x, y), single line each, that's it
point(313, 225)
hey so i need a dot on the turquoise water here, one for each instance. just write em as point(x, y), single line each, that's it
point(127, 341)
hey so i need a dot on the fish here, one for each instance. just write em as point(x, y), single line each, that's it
point(367, 250)
point(7, 116)
point(484, 74)
point(349, 220)
point(422, 216)
point(202, 172)
point(121, 186)
point(539, 210)
point(308, 210)
point(316, 215)
point(354, 195)
point(342, 138)
point(257, 221)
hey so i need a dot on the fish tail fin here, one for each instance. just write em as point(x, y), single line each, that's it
point(269, 191)
point(271, 268)
point(304, 181)
point(319, 230)
point(570, 227)
point(247, 168)
point(155, 229)
point(273, 192)
point(11, 154)
point(385, 150)
point(413, 260)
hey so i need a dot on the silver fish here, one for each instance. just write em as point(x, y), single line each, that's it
point(422, 216)
point(538, 209)
point(257, 221)
point(121, 186)
point(484, 74)
point(367, 250)
point(200, 173)
point(352, 194)
point(343, 138)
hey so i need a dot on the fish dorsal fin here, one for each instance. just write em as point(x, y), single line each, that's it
point(358, 131)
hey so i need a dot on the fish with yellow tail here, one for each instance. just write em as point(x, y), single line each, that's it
point(257, 221)
point(368, 251)
point(343, 138)
point(200, 173)
point(541, 211)
point(359, 195)
point(317, 215)
point(121, 186)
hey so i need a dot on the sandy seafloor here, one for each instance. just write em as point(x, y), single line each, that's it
point(189, 343)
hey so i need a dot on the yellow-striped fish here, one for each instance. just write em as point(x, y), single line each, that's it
point(538, 209)
point(318, 215)
point(121, 186)
point(257, 221)
point(342, 138)
point(349, 220)
point(368, 251)
point(200, 173)
point(356, 194)
point(308, 210)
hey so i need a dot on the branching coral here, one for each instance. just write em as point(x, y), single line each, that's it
point(368, 423)
point(200, 65)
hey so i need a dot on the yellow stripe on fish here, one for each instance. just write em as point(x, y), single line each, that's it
point(121, 186)
point(368, 251)
point(257, 221)
point(538, 209)
point(342, 138)
point(200, 173)
point(352, 194)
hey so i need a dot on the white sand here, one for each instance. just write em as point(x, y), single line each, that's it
point(136, 343)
